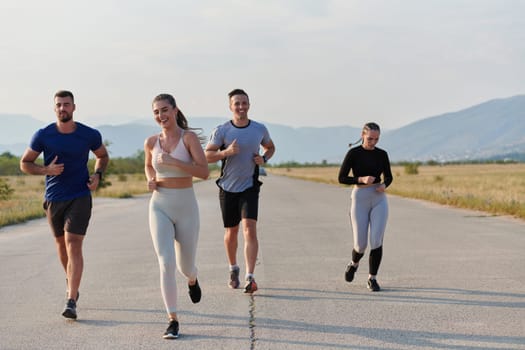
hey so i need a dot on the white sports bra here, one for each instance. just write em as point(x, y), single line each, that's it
point(180, 152)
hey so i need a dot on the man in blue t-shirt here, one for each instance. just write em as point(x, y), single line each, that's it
point(66, 145)
point(237, 144)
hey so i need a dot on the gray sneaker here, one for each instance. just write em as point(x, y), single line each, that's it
point(70, 310)
point(234, 281)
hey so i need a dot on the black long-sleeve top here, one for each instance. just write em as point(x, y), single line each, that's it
point(364, 162)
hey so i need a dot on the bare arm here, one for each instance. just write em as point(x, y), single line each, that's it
point(148, 167)
point(28, 165)
point(101, 163)
point(199, 166)
point(268, 151)
point(214, 153)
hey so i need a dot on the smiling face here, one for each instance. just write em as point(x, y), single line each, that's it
point(164, 113)
point(239, 105)
point(64, 108)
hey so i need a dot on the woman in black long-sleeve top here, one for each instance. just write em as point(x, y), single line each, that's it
point(369, 206)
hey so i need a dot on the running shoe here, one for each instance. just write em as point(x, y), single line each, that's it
point(195, 292)
point(251, 285)
point(234, 282)
point(373, 285)
point(71, 309)
point(349, 273)
point(172, 332)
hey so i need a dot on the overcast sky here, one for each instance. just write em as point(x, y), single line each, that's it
point(303, 62)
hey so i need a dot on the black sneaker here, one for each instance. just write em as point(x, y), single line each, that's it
point(172, 332)
point(250, 286)
point(234, 282)
point(195, 292)
point(373, 285)
point(71, 309)
point(349, 273)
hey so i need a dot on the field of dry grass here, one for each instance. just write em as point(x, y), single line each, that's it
point(498, 189)
point(26, 201)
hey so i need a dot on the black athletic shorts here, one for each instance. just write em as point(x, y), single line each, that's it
point(239, 205)
point(69, 216)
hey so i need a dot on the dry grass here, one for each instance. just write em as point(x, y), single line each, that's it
point(26, 201)
point(498, 189)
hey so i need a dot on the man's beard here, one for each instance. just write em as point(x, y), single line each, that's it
point(64, 118)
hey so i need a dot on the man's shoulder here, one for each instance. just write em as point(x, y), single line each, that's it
point(48, 129)
point(256, 123)
point(83, 128)
point(226, 124)
point(259, 126)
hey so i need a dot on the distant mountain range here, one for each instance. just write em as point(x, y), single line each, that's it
point(491, 130)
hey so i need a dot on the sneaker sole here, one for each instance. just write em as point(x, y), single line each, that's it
point(251, 290)
point(236, 286)
point(170, 336)
point(195, 289)
point(69, 314)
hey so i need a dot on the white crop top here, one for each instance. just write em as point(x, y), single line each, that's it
point(180, 152)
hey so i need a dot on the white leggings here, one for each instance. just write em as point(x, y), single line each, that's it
point(369, 210)
point(174, 226)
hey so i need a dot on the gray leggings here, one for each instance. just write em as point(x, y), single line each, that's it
point(368, 213)
point(174, 226)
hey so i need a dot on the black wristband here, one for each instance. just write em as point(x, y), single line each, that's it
point(99, 173)
point(264, 159)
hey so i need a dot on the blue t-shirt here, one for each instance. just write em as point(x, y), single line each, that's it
point(239, 172)
point(73, 151)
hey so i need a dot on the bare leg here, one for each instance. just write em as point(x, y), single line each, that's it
point(251, 244)
point(75, 264)
point(230, 243)
point(62, 251)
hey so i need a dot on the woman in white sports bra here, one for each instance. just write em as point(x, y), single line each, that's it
point(172, 159)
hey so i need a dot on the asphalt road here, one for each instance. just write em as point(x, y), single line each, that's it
point(451, 279)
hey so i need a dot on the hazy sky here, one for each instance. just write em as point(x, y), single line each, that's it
point(303, 62)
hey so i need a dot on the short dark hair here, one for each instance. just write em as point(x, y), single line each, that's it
point(237, 92)
point(65, 93)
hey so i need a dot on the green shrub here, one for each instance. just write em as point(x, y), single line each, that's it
point(412, 168)
point(5, 190)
